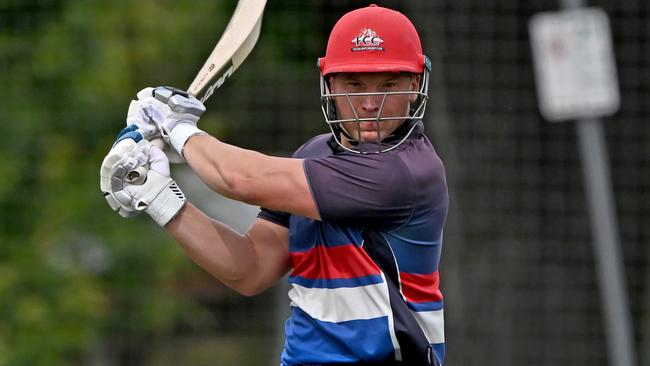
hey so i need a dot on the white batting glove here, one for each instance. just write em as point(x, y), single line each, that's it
point(158, 111)
point(119, 150)
point(128, 194)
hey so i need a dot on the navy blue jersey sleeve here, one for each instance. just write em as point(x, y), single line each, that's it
point(315, 146)
point(277, 217)
point(373, 190)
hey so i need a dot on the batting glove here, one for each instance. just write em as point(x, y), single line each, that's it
point(118, 151)
point(158, 111)
point(135, 178)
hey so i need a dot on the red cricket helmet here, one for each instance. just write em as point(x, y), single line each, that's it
point(373, 39)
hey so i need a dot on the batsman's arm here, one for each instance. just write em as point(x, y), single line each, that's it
point(247, 263)
point(248, 176)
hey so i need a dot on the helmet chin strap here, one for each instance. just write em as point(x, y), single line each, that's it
point(342, 132)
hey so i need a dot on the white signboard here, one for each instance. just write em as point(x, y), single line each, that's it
point(574, 64)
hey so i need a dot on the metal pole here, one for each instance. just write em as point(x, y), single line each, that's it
point(606, 242)
point(609, 262)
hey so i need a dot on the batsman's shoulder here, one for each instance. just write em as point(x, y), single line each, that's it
point(317, 146)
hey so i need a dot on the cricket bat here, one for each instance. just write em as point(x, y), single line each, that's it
point(235, 44)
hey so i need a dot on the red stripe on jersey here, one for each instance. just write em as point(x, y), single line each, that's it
point(342, 261)
point(421, 287)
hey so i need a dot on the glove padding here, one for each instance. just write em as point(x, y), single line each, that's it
point(125, 190)
point(157, 111)
point(117, 153)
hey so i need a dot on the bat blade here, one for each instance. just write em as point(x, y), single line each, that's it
point(231, 50)
point(235, 44)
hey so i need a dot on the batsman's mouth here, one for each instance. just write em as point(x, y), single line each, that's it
point(370, 131)
point(369, 136)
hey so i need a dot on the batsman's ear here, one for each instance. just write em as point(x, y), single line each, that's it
point(415, 86)
point(329, 79)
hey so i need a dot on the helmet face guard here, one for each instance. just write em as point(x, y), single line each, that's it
point(352, 129)
point(373, 40)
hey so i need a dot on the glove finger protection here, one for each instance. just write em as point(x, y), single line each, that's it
point(117, 153)
point(184, 107)
point(148, 114)
point(157, 111)
point(158, 196)
point(134, 160)
point(186, 111)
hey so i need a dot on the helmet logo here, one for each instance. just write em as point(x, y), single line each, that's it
point(367, 40)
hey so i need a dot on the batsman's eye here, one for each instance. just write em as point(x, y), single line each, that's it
point(391, 86)
point(353, 85)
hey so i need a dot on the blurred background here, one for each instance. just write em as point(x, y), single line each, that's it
point(81, 286)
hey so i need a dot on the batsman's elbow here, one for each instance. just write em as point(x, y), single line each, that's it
point(247, 289)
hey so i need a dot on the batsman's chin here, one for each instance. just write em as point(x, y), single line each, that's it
point(366, 137)
point(372, 137)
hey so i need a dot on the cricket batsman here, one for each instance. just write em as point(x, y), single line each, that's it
point(355, 216)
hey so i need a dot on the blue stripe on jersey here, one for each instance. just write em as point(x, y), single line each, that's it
point(335, 282)
point(439, 351)
point(310, 341)
point(425, 306)
point(414, 257)
point(306, 233)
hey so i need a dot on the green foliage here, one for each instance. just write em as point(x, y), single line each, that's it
point(72, 273)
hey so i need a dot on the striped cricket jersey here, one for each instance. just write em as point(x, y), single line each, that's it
point(341, 311)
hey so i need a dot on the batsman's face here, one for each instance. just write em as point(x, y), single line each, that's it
point(373, 106)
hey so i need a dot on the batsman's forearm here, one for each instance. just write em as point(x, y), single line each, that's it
point(248, 176)
point(227, 255)
point(232, 171)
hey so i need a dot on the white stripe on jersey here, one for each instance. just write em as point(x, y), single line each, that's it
point(432, 323)
point(343, 303)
